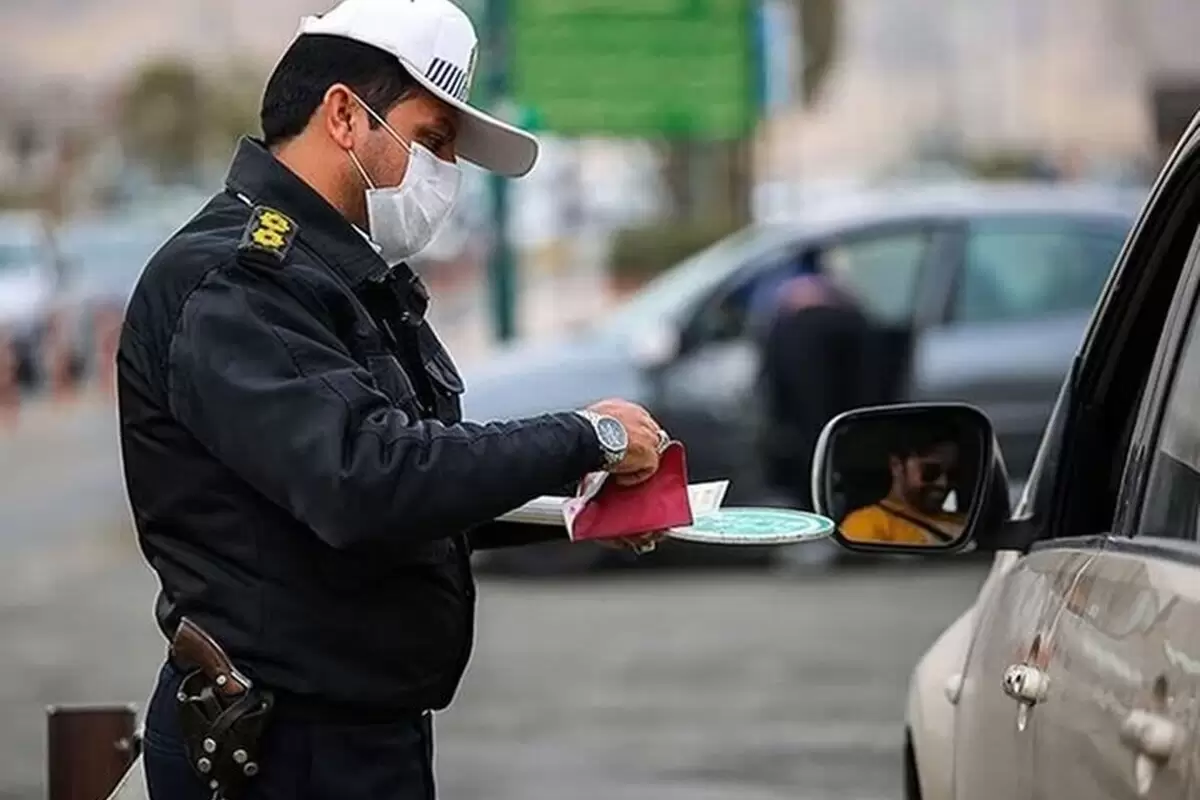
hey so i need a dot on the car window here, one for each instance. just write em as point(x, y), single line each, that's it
point(1020, 270)
point(666, 298)
point(745, 307)
point(881, 270)
point(1171, 505)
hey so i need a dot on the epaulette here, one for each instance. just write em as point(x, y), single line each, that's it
point(268, 236)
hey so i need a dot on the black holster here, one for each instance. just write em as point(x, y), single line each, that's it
point(221, 733)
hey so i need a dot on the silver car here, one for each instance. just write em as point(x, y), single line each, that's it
point(1076, 673)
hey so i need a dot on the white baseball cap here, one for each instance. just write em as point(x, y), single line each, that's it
point(435, 41)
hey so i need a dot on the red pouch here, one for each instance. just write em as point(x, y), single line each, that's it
point(605, 510)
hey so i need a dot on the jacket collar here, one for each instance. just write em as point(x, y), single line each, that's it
point(262, 179)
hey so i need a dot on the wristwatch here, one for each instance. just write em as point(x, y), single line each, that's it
point(613, 438)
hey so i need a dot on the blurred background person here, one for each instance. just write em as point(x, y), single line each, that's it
point(812, 361)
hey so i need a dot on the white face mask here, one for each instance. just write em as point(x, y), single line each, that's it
point(405, 218)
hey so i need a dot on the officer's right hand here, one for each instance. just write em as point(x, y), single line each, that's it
point(645, 439)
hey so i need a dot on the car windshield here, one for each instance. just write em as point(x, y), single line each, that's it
point(668, 295)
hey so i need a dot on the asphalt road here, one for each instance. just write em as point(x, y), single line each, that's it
point(660, 685)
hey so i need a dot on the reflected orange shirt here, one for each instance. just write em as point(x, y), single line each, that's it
point(889, 523)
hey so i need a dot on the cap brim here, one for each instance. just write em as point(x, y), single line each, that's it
point(484, 140)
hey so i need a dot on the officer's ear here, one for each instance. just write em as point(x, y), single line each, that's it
point(342, 116)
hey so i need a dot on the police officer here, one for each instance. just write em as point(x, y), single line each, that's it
point(300, 477)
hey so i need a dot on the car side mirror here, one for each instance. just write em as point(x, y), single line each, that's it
point(910, 478)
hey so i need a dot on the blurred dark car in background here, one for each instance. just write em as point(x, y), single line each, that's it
point(984, 291)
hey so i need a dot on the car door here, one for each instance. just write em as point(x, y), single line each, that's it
point(996, 736)
point(1129, 654)
point(1017, 311)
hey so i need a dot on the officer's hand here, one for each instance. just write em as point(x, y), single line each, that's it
point(645, 441)
point(638, 545)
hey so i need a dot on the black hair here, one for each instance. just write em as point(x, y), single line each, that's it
point(312, 64)
point(919, 439)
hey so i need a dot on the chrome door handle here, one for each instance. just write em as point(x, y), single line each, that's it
point(1028, 685)
point(1154, 739)
point(1151, 735)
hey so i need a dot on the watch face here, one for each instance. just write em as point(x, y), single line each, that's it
point(612, 434)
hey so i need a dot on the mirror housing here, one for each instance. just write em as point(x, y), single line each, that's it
point(910, 478)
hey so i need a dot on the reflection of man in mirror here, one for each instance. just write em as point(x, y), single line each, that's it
point(921, 506)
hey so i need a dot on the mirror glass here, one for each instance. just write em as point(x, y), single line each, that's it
point(904, 478)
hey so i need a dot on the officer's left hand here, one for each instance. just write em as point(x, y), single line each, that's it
point(638, 545)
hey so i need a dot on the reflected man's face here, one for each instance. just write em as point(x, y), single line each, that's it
point(925, 478)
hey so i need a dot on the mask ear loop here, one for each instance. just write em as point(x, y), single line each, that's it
point(353, 158)
point(358, 166)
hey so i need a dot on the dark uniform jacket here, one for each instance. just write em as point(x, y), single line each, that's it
point(299, 474)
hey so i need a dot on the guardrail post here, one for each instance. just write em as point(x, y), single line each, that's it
point(89, 749)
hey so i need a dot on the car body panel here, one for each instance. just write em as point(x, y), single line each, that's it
point(929, 710)
point(994, 750)
point(1134, 620)
point(935, 689)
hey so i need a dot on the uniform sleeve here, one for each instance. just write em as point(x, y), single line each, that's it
point(497, 535)
point(267, 388)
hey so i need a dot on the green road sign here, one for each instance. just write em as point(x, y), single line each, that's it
point(674, 68)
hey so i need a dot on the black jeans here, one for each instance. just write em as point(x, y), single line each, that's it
point(299, 758)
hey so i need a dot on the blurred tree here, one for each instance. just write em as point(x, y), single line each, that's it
point(713, 180)
point(233, 101)
point(1001, 165)
point(162, 120)
point(820, 35)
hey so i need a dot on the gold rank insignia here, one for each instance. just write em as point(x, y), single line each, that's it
point(269, 231)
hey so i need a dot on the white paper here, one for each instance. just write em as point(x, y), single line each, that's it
point(706, 497)
point(551, 510)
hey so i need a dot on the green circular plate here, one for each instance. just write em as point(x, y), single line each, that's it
point(755, 526)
